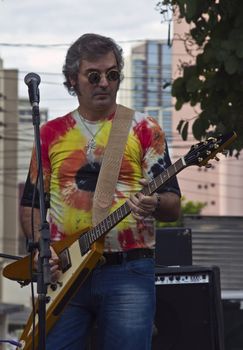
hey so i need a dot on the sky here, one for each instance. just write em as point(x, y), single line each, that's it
point(35, 35)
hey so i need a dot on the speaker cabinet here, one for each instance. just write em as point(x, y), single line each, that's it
point(188, 312)
point(233, 324)
point(173, 246)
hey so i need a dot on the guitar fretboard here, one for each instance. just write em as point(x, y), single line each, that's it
point(89, 237)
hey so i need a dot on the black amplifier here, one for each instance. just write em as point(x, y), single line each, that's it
point(189, 313)
point(180, 277)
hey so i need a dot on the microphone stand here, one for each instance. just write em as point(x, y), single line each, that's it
point(43, 245)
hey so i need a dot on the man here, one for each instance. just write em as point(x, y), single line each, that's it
point(119, 294)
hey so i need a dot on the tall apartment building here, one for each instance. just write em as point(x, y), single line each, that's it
point(8, 192)
point(8, 148)
point(25, 135)
point(147, 78)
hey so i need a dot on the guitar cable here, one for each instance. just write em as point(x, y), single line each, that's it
point(12, 342)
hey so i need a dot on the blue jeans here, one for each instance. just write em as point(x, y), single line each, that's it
point(121, 300)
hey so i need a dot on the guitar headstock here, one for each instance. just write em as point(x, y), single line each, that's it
point(202, 152)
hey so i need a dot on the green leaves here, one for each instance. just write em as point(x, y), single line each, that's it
point(231, 64)
point(239, 49)
point(182, 128)
point(215, 82)
point(194, 84)
point(200, 126)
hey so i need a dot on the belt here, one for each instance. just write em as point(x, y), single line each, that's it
point(118, 258)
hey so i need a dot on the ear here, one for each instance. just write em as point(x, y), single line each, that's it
point(72, 82)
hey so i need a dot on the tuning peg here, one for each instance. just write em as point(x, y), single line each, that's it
point(208, 165)
point(217, 158)
point(225, 152)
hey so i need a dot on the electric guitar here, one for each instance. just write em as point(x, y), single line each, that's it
point(80, 253)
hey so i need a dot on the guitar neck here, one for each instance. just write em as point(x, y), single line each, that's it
point(91, 236)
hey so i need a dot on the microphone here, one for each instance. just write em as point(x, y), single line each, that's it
point(32, 80)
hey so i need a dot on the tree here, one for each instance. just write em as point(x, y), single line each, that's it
point(215, 80)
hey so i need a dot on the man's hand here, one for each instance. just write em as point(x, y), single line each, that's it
point(141, 205)
point(54, 265)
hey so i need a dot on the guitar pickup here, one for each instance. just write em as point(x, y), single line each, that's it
point(65, 261)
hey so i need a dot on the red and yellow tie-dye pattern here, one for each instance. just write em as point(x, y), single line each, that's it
point(70, 175)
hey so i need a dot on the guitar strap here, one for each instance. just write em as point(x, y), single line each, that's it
point(111, 163)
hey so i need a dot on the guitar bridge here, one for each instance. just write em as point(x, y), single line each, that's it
point(65, 261)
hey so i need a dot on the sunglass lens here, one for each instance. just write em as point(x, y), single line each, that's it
point(113, 75)
point(94, 77)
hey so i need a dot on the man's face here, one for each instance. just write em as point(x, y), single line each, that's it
point(94, 88)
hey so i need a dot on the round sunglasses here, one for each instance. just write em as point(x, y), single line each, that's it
point(94, 77)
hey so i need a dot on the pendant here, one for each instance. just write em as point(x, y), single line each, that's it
point(90, 146)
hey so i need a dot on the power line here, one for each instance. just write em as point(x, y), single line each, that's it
point(68, 44)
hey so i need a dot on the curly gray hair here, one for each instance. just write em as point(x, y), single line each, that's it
point(88, 47)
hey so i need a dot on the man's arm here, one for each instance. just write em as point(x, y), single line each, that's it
point(27, 229)
point(168, 207)
point(26, 213)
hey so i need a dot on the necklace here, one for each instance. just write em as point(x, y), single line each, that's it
point(91, 144)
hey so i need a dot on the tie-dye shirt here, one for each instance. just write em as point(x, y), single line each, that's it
point(70, 174)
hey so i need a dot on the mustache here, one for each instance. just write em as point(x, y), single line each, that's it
point(102, 92)
point(105, 90)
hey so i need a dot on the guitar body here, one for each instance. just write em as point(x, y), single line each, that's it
point(77, 270)
point(20, 269)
